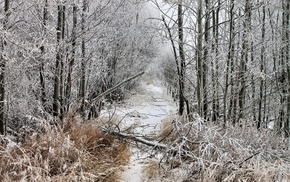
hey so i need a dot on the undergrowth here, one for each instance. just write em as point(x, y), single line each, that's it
point(80, 152)
point(208, 152)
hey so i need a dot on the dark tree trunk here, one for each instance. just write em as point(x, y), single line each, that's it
point(229, 64)
point(83, 61)
point(205, 60)
point(72, 59)
point(244, 61)
point(61, 74)
point(182, 59)
point(41, 69)
point(2, 70)
point(56, 92)
point(215, 65)
point(199, 63)
point(286, 25)
point(262, 70)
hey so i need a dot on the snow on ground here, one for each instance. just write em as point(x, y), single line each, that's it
point(145, 110)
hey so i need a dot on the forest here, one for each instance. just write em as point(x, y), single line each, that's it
point(224, 65)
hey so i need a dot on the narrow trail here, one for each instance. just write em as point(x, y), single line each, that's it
point(143, 112)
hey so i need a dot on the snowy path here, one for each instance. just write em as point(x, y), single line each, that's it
point(145, 110)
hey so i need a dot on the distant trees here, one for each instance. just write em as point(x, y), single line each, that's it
point(235, 57)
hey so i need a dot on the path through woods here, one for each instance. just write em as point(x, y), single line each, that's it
point(143, 112)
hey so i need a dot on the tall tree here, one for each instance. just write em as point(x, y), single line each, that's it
point(215, 65)
point(286, 54)
point(244, 60)
point(182, 58)
point(229, 63)
point(262, 70)
point(73, 56)
point(83, 50)
point(59, 57)
point(199, 64)
point(61, 73)
point(2, 68)
point(205, 60)
point(41, 69)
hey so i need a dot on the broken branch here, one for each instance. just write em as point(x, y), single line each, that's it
point(95, 100)
point(154, 144)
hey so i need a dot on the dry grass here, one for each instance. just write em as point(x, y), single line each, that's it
point(151, 169)
point(82, 153)
point(218, 154)
point(165, 128)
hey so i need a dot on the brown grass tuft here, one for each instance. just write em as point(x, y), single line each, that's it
point(83, 153)
point(151, 169)
point(165, 128)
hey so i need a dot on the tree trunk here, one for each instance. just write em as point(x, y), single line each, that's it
point(56, 92)
point(72, 59)
point(182, 58)
point(83, 64)
point(286, 18)
point(41, 69)
point(261, 90)
point(205, 60)
point(244, 61)
point(2, 70)
point(61, 74)
point(229, 62)
point(278, 123)
point(253, 85)
point(215, 65)
point(199, 61)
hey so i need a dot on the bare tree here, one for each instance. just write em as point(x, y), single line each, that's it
point(2, 69)
point(181, 78)
point(215, 61)
point(244, 60)
point(261, 117)
point(205, 60)
point(285, 62)
point(83, 61)
point(229, 62)
point(41, 69)
point(73, 56)
point(59, 56)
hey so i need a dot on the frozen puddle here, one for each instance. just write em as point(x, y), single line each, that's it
point(144, 110)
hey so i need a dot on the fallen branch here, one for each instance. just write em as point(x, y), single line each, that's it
point(95, 100)
point(154, 144)
point(137, 139)
point(248, 158)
